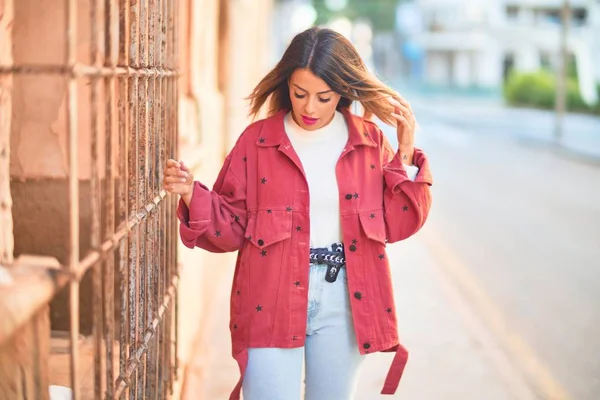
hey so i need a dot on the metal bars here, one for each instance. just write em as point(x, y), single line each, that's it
point(133, 128)
point(147, 110)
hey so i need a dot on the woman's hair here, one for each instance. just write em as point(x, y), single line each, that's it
point(331, 57)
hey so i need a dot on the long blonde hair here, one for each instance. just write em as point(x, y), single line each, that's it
point(331, 57)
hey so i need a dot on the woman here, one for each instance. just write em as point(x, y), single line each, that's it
point(309, 197)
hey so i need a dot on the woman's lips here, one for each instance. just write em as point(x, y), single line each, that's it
point(309, 121)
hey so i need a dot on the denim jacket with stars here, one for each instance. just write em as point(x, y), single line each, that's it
point(259, 207)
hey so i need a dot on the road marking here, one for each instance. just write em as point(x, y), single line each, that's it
point(536, 371)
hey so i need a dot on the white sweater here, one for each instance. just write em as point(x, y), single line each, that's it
point(319, 151)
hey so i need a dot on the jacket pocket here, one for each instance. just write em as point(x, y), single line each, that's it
point(373, 225)
point(267, 227)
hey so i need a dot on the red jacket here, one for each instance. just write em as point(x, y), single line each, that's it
point(259, 206)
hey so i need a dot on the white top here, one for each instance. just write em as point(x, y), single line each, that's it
point(319, 151)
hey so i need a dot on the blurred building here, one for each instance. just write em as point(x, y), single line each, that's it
point(290, 18)
point(464, 43)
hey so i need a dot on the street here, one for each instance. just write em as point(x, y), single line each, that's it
point(516, 226)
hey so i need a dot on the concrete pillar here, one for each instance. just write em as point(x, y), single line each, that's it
point(496, 13)
point(201, 138)
point(201, 103)
point(437, 65)
point(224, 47)
point(487, 66)
point(461, 69)
point(249, 59)
point(6, 222)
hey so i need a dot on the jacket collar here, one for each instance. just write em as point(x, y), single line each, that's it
point(273, 130)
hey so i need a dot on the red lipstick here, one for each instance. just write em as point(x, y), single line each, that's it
point(309, 121)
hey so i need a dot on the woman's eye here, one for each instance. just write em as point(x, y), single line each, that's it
point(324, 100)
point(299, 96)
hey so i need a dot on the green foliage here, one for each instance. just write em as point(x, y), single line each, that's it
point(381, 13)
point(530, 89)
point(538, 89)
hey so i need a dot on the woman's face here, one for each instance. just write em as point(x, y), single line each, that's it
point(313, 101)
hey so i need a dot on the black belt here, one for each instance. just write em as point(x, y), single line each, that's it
point(334, 257)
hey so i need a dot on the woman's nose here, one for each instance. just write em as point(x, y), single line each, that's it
point(309, 107)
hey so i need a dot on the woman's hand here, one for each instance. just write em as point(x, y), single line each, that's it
point(178, 179)
point(405, 128)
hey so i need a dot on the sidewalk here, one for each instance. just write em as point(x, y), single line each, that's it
point(452, 357)
point(580, 137)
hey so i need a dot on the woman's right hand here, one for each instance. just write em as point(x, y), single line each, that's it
point(178, 179)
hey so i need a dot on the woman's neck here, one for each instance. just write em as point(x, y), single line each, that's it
point(337, 123)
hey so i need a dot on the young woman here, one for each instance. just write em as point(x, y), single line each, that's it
point(309, 197)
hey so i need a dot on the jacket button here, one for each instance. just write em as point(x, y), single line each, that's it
point(261, 242)
point(358, 295)
point(367, 346)
point(348, 196)
point(352, 247)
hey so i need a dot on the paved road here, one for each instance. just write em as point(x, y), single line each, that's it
point(516, 225)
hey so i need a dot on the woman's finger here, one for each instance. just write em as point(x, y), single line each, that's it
point(175, 188)
point(175, 179)
point(394, 102)
point(172, 163)
point(402, 120)
point(399, 107)
point(175, 172)
point(406, 113)
point(404, 107)
point(406, 116)
point(403, 101)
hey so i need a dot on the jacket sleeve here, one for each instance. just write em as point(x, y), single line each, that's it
point(216, 219)
point(406, 202)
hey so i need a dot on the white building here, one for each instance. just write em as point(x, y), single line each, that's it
point(468, 43)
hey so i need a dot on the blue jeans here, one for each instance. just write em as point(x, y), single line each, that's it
point(330, 354)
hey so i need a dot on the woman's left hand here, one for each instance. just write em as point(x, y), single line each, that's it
point(405, 128)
